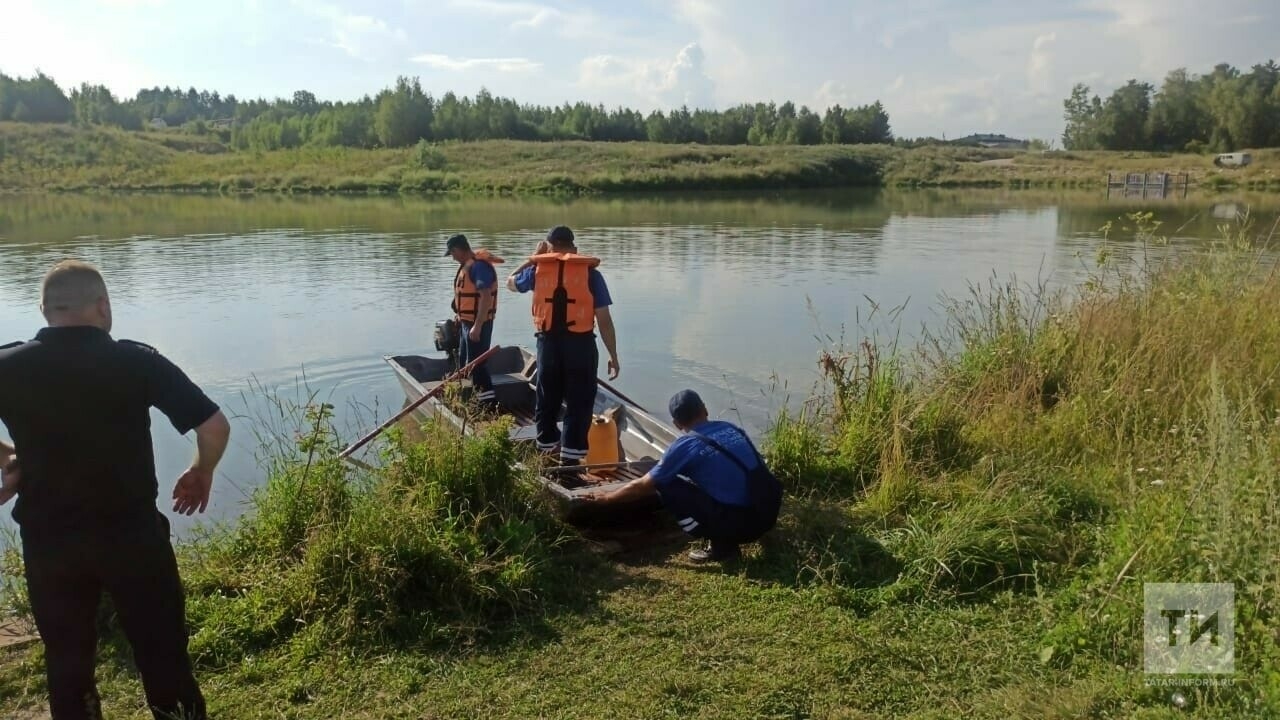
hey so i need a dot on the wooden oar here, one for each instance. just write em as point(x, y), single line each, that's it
point(462, 372)
point(617, 392)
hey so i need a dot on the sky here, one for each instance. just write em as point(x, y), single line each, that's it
point(941, 67)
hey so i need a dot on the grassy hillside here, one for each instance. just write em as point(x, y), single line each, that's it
point(967, 534)
point(62, 158)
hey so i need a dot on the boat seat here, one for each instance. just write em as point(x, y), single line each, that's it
point(528, 433)
point(511, 389)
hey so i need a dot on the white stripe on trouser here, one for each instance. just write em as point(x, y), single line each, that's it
point(572, 454)
point(486, 395)
point(688, 525)
point(546, 446)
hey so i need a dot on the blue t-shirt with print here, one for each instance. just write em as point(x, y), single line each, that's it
point(595, 283)
point(692, 457)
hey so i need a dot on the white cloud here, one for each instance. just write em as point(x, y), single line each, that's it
point(831, 93)
point(686, 81)
point(722, 30)
point(580, 24)
point(666, 84)
point(131, 4)
point(540, 18)
point(506, 65)
point(34, 37)
point(1167, 34)
point(498, 7)
point(969, 105)
point(890, 36)
point(1040, 64)
point(361, 36)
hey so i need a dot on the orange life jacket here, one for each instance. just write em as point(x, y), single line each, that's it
point(466, 297)
point(562, 300)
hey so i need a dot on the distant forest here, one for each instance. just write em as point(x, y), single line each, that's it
point(403, 115)
point(1222, 111)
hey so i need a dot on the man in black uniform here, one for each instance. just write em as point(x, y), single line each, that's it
point(77, 404)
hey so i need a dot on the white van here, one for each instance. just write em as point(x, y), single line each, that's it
point(1232, 160)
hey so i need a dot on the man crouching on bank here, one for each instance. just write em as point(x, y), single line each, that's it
point(713, 480)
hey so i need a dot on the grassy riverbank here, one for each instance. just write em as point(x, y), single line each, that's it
point(967, 534)
point(66, 158)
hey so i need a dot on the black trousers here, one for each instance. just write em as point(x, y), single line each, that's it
point(135, 565)
point(702, 516)
point(567, 365)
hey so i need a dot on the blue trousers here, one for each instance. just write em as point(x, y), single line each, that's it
point(567, 365)
point(469, 350)
point(702, 516)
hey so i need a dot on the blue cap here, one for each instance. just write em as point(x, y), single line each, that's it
point(685, 406)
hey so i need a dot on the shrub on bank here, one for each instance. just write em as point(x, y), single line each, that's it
point(440, 544)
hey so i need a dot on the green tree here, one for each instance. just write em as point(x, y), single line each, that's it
point(404, 114)
point(8, 97)
point(1125, 117)
point(1178, 116)
point(657, 128)
point(449, 121)
point(305, 103)
point(808, 128)
point(37, 99)
point(1084, 120)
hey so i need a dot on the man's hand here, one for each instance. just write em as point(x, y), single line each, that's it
point(10, 478)
point(615, 368)
point(191, 493)
point(474, 335)
point(543, 248)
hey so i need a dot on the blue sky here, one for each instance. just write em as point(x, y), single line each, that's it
point(939, 66)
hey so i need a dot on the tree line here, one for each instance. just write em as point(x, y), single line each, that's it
point(404, 114)
point(1224, 110)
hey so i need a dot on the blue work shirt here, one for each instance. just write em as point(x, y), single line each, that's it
point(483, 275)
point(706, 466)
point(595, 283)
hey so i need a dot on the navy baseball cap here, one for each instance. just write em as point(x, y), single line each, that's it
point(457, 241)
point(685, 406)
point(560, 235)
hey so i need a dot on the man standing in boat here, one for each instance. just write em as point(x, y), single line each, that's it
point(570, 298)
point(77, 404)
point(475, 302)
point(712, 480)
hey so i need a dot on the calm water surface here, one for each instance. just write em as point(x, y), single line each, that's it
point(729, 294)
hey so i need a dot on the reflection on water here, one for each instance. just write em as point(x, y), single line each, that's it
point(726, 293)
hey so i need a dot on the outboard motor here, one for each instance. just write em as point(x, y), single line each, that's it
point(448, 339)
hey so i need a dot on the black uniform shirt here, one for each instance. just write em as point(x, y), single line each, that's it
point(77, 404)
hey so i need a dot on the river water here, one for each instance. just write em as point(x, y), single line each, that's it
point(731, 294)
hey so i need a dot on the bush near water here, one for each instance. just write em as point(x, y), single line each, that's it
point(967, 532)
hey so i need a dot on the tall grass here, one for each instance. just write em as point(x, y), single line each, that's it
point(66, 158)
point(1075, 446)
point(440, 544)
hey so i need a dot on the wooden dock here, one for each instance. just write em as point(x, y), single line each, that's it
point(1148, 185)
